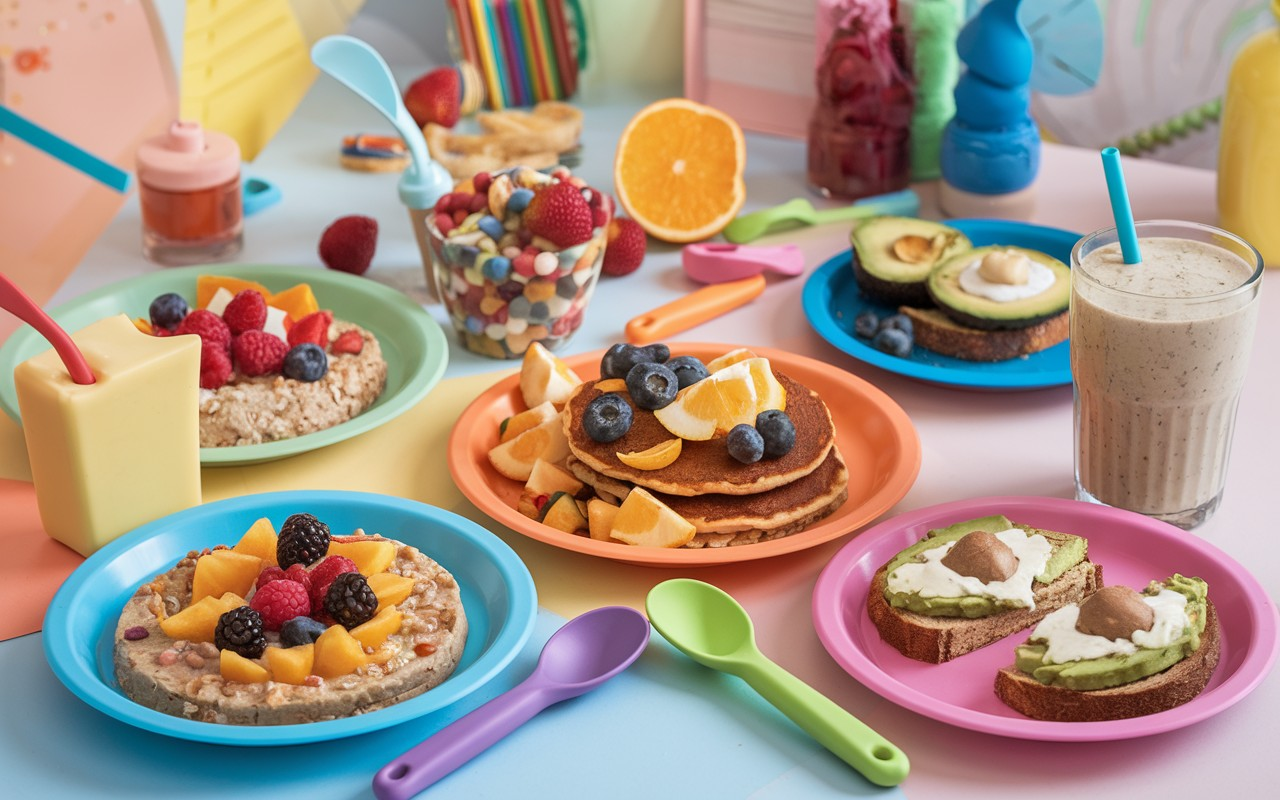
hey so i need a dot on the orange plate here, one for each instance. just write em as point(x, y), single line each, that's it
point(878, 442)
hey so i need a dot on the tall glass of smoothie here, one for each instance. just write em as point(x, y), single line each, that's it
point(1159, 351)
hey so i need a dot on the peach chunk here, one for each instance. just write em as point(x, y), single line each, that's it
point(374, 632)
point(197, 622)
point(371, 557)
point(291, 664)
point(391, 589)
point(224, 571)
point(235, 667)
point(260, 541)
point(337, 652)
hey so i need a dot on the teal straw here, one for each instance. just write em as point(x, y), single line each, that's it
point(1120, 206)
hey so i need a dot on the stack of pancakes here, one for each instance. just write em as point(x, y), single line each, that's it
point(728, 502)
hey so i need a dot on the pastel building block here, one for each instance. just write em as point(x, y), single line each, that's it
point(112, 455)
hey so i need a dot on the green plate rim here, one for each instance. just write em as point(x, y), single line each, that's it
point(399, 319)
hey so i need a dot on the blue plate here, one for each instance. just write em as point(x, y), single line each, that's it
point(497, 594)
point(831, 301)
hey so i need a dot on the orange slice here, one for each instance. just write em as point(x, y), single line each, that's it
point(645, 521)
point(543, 377)
point(731, 396)
point(729, 359)
point(512, 427)
point(678, 170)
point(656, 457)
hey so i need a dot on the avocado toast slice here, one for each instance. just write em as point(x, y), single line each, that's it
point(893, 256)
point(936, 629)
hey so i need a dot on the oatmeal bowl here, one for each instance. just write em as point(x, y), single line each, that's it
point(292, 359)
point(193, 627)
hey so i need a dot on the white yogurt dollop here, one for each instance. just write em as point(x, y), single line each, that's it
point(1065, 643)
point(1039, 278)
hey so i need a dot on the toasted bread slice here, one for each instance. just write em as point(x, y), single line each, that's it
point(938, 639)
point(1160, 692)
point(935, 331)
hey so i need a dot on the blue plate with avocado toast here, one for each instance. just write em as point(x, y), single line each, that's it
point(832, 301)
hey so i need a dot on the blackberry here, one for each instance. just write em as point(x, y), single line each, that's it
point(168, 310)
point(306, 362)
point(303, 540)
point(300, 630)
point(349, 600)
point(240, 631)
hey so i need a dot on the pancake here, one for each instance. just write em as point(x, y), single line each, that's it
point(704, 467)
point(725, 520)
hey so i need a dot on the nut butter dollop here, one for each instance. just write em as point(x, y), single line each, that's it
point(1005, 266)
point(1114, 612)
point(981, 555)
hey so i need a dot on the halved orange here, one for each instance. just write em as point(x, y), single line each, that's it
point(678, 170)
point(731, 396)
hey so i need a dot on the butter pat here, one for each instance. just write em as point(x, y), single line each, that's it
point(110, 456)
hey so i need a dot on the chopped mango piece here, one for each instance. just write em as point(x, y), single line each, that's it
point(235, 667)
point(374, 632)
point(224, 571)
point(371, 557)
point(259, 540)
point(337, 652)
point(296, 301)
point(390, 588)
point(291, 664)
point(208, 285)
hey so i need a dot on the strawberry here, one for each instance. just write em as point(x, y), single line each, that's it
point(435, 97)
point(247, 311)
point(559, 214)
point(348, 342)
point(259, 353)
point(215, 365)
point(313, 328)
point(624, 248)
point(348, 244)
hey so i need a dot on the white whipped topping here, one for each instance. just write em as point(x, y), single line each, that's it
point(1039, 278)
point(1065, 643)
point(932, 578)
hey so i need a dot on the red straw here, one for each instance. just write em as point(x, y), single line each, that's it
point(16, 302)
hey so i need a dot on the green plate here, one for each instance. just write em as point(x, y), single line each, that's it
point(412, 343)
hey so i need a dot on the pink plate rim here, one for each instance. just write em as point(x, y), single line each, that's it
point(846, 576)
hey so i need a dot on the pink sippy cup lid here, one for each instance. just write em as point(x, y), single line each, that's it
point(187, 158)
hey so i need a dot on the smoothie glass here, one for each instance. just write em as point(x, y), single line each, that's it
point(1159, 351)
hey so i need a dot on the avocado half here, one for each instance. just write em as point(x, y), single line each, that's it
point(883, 276)
point(979, 312)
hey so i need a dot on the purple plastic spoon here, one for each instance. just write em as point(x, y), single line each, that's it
point(583, 654)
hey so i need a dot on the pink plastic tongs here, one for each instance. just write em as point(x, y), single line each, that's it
point(717, 262)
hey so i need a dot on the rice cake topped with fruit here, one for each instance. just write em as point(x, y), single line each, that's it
point(675, 454)
point(303, 627)
point(272, 366)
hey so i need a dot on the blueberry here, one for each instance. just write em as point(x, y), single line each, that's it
point(658, 353)
point(899, 321)
point(607, 418)
point(745, 444)
point(168, 310)
point(688, 370)
point(300, 631)
point(652, 386)
point(893, 341)
point(866, 324)
point(620, 358)
point(778, 432)
point(305, 362)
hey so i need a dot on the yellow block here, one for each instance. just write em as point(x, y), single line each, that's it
point(112, 455)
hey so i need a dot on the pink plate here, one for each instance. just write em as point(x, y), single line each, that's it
point(1132, 549)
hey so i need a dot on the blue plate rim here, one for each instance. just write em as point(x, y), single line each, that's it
point(510, 639)
point(820, 319)
point(420, 377)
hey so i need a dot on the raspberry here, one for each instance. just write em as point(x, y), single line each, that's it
point(240, 630)
point(349, 600)
point(303, 540)
point(313, 328)
point(348, 244)
point(208, 326)
point(268, 575)
point(299, 574)
point(247, 311)
point(324, 573)
point(348, 342)
point(259, 353)
point(215, 365)
point(280, 601)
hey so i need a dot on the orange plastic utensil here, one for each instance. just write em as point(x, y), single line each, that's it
point(693, 309)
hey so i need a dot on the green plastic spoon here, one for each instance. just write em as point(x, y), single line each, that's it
point(710, 627)
point(799, 212)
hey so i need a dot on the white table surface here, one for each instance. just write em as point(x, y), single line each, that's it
point(1032, 430)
